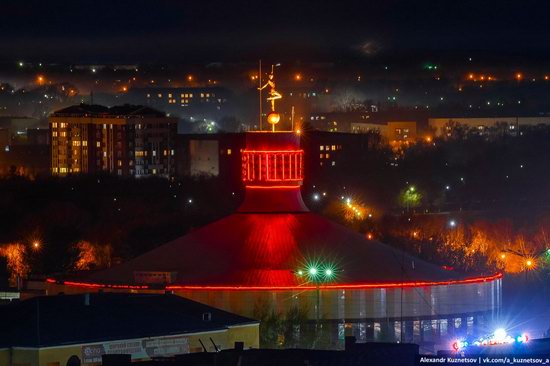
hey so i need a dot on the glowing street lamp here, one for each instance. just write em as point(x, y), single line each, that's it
point(318, 273)
point(36, 244)
point(313, 271)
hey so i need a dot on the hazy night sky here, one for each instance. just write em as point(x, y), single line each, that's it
point(169, 30)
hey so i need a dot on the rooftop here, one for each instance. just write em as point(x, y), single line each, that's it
point(92, 110)
point(75, 319)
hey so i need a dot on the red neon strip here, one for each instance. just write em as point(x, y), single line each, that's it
point(99, 285)
point(308, 287)
point(260, 167)
point(290, 166)
point(296, 166)
point(272, 151)
point(253, 167)
point(273, 187)
point(266, 167)
point(341, 286)
point(275, 171)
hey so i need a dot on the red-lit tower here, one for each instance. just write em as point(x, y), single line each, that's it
point(272, 172)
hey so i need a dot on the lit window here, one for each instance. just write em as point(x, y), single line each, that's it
point(54, 125)
point(327, 156)
point(119, 162)
point(54, 133)
point(228, 151)
point(169, 95)
point(154, 152)
point(321, 156)
point(98, 144)
point(172, 152)
point(321, 148)
point(160, 95)
point(84, 143)
point(333, 147)
point(333, 163)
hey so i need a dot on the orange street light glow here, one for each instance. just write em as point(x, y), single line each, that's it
point(298, 77)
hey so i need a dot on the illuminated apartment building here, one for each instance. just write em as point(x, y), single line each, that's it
point(123, 140)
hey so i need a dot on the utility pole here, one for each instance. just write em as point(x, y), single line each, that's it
point(260, 91)
point(292, 119)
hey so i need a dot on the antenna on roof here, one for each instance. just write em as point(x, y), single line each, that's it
point(260, 90)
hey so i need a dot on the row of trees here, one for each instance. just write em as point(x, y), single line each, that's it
point(83, 220)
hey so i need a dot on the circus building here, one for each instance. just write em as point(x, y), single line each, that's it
point(274, 252)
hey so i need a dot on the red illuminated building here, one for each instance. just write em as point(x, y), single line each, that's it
point(274, 251)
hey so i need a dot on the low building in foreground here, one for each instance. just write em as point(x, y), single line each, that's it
point(78, 329)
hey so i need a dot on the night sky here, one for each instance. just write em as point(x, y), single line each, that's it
point(212, 30)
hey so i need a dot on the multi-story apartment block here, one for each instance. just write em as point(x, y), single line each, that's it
point(125, 140)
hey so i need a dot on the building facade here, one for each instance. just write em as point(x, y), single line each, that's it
point(443, 126)
point(79, 330)
point(125, 140)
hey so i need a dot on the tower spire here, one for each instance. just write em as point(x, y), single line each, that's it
point(273, 117)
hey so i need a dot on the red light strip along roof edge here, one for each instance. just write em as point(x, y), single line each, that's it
point(273, 187)
point(481, 279)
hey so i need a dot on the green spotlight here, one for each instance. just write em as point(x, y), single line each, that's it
point(313, 271)
point(328, 272)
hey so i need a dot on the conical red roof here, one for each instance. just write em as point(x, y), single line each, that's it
point(257, 250)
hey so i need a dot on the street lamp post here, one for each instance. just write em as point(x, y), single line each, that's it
point(318, 274)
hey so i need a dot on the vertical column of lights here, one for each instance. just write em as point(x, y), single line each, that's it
point(272, 166)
